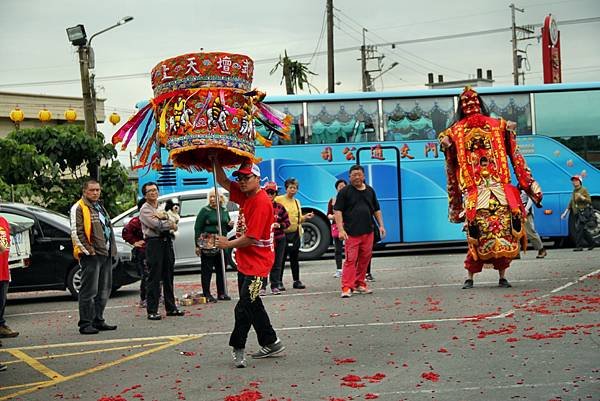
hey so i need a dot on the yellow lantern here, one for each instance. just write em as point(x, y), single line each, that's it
point(44, 115)
point(17, 115)
point(70, 114)
point(114, 118)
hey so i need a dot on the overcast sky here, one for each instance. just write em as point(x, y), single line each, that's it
point(35, 47)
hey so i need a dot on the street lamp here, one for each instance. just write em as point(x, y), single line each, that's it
point(371, 80)
point(78, 37)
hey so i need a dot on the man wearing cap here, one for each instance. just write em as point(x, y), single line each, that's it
point(254, 260)
point(581, 207)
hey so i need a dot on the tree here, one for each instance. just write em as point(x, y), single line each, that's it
point(294, 73)
point(46, 166)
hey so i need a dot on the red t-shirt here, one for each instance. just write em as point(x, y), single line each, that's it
point(5, 238)
point(255, 221)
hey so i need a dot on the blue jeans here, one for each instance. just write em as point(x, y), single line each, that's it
point(96, 284)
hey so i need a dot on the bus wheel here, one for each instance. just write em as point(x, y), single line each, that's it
point(316, 238)
point(596, 230)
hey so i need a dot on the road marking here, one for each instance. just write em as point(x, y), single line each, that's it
point(57, 378)
point(304, 293)
point(554, 291)
point(96, 351)
point(34, 363)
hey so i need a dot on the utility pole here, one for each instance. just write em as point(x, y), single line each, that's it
point(363, 62)
point(88, 103)
point(524, 32)
point(514, 43)
point(330, 67)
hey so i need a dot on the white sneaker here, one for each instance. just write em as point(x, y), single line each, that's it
point(338, 273)
point(239, 357)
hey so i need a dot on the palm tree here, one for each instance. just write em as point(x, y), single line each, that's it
point(295, 74)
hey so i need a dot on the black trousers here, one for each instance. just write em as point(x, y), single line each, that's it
point(292, 250)
point(582, 235)
point(140, 262)
point(275, 274)
point(209, 263)
point(160, 259)
point(250, 314)
point(339, 252)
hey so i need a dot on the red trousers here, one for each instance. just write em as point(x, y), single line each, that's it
point(475, 266)
point(358, 255)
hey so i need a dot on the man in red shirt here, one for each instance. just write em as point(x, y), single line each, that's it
point(5, 331)
point(254, 261)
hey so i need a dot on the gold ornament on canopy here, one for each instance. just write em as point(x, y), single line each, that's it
point(114, 118)
point(70, 114)
point(44, 115)
point(203, 109)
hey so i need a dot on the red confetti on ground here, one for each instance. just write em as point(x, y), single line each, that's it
point(353, 384)
point(442, 350)
point(254, 384)
point(339, 361)
point(376, 378)
point(502, 331)
point(431, 376)
point(371, 396)
point(477, 318)
point(351, 378)
point(511, 340)
point(115, 398)
point(245, 395)
point(427, 326)
point(188, 353)
point(541, 336)
point(135, 386)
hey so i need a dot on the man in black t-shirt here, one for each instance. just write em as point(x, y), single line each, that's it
point(355, 207)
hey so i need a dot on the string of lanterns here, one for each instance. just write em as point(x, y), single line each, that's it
point(17, 116)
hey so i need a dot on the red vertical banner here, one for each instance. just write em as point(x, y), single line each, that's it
point(551, 51)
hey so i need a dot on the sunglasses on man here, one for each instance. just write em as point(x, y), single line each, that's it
point(242, 178)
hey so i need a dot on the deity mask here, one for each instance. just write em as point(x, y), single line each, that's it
point(469, 102)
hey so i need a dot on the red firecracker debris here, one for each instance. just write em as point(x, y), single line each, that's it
point(431, 376)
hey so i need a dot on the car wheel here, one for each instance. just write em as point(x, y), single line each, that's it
point(74, 281)
point(316, 238)
point(230, 259)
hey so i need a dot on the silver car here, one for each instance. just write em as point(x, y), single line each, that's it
point(190, 203)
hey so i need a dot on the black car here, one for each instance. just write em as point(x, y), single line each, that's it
point(51, 265)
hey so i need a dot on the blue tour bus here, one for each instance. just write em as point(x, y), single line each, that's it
point(393, 135)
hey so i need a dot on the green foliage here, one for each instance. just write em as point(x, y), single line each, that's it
point(47, 166)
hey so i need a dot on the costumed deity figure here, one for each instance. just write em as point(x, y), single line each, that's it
point(204, 108)
point(478, 149)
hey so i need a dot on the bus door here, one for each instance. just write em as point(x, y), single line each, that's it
point(382, 172)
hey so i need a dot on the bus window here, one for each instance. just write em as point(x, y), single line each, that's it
point(343, 121)
point(406, 119)
point(512, 107)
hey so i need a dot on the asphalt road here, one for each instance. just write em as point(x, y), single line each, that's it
point(418, 337)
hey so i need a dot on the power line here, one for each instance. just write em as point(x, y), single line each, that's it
point(308, 55)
